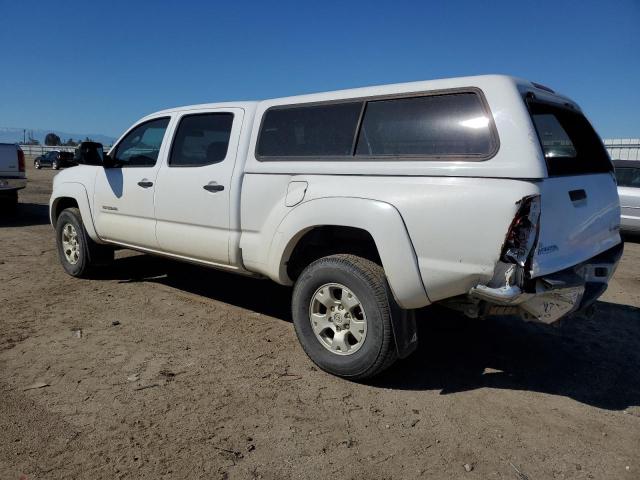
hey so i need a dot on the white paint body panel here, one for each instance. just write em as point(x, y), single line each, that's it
point(439, 226)
point(571, 232)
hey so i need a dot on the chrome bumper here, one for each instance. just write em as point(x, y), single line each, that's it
point(12, 183)
point(549, 298)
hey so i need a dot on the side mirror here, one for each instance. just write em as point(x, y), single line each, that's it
point(92, 153)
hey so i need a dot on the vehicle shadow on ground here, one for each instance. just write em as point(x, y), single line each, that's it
point(258, 295)
point(594, 360)
point(26, 214)
point(630, 237)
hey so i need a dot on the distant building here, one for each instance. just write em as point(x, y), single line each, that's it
point(623, 148)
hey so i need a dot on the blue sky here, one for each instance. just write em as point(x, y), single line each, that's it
point(96, 67)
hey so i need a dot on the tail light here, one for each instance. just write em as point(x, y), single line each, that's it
point(20, 160)
point(523, 232)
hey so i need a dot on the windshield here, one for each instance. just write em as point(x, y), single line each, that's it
point(570, 144)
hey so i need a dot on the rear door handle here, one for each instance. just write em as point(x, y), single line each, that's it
point(213, 187)
point(144, 183)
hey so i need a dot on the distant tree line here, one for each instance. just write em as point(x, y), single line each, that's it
point(54, 140)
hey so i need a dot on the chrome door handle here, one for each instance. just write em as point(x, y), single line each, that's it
point(144, 183)
point(213, 187)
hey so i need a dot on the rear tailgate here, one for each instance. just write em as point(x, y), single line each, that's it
point(8, 160)
point(579, 218)
point(580, 210)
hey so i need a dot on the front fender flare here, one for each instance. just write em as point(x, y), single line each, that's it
point(382, 220)
point(78, 192)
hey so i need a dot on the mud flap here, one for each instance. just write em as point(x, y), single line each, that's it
point(405, 332)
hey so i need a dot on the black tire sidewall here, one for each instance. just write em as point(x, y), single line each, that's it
point(79, 268)
point(318, 274)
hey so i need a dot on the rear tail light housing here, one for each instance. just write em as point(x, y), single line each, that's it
point(523, 233)
point(21, 167)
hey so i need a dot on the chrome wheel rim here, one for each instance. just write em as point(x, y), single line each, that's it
point(70, 243)
point(338, 319)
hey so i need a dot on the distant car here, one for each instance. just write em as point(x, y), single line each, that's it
point(628, 176)
point(55, 159)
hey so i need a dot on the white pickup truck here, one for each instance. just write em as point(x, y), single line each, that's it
point(12, 174)
point(491, 195)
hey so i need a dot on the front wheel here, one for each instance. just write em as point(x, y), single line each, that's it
point(54, 165)
point(78, 254)
point(341, 309)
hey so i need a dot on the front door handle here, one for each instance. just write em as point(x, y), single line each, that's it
point(144, 183)
point(213, 187)
point(577, 195)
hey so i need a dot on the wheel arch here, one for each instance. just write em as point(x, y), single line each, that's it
point(378, 220)
point(68, 195)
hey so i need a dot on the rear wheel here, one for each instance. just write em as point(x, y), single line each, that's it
point(36, 164)
point(78, 254)
point(342, 315)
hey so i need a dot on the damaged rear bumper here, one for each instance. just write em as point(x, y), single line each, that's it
point(549, 298)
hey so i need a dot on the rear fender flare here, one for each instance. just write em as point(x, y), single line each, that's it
point(383, 222)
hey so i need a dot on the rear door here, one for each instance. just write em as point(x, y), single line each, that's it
point(192, 199)
point(580, 211)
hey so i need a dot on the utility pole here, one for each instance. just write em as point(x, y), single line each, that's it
point(24, 136)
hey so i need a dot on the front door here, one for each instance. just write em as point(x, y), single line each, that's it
point(123, 195)
point(194, 186)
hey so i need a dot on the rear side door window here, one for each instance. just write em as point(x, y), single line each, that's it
point(201, 139)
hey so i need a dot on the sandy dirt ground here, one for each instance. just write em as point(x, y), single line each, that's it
point(183, 372)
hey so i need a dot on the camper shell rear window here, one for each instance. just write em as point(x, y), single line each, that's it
point(570, 144)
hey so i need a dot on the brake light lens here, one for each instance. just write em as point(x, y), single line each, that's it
point(20, 160)
point(523, 232)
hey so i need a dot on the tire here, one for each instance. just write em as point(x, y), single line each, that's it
point(363, 280)
point(54, 165)
point(36, 164)
point(84, 254)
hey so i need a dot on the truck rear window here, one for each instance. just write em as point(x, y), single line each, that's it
point(570, 144)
